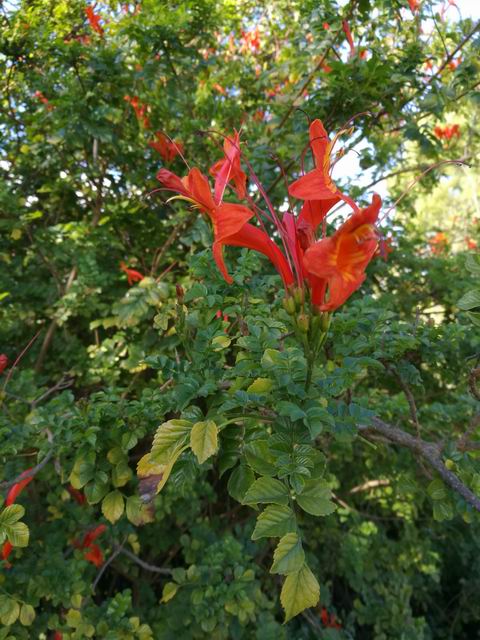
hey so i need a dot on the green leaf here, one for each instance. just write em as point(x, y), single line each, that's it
point(300, 591)
point(11, 514)
point(170, 436)
point(274, 522)
point(240, 481)
point(18, 534)
point(315, 498)
point(27, 615)
point(291, 410)
point(82, 472)
point(288, 556)
point(121, 474)
point(94, 491)
point(266, 490)
point(113, 506)
point(204, 440)
point(169, 590)
point(470, 300)
point(260, 458)
point(436, 490)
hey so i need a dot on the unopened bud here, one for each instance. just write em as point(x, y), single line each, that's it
point(180, 293)
point(303, 323)
point(289, 305)
point(298, 296)
point(325, 321)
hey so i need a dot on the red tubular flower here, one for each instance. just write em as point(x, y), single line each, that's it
point(93, 552)
point(3, 362)
point(94, 20)
point(414, 5)
point(95, 555)
point(317, 184)
point(341, 260)
point(132, 275)
point(229, 221)
point(7, 549)
point(18, 487)
point(229, 169)
point(167, 148)
point(348, 33)
point(140, 109)
point(39, 95)
point(76, 494)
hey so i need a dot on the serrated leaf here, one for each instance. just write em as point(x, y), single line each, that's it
point(94, 491)
point(169, 591)
point(266, 490)
point(288, 556)
point(315, 498)
point(274, 522)
point(169, 437)
point(470, 300)
point(18, 534)
point(299, 592)
point(11, 514)
point(260, 458)
point(113, 506)
point(204, 440)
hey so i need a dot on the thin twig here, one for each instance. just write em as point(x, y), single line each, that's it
point(28, 474)
point(145, 565)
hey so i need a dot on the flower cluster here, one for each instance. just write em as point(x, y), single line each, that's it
point(92, 551)
point(140, 109)
point(447, 132)
point(94, 20)
point(323, 271)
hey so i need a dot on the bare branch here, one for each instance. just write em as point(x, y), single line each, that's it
point(429, 451)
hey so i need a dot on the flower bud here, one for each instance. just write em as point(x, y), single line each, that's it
point(289, 305)
point(180, 293)
point(303, 323)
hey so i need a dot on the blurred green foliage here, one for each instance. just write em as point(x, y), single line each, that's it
point(102, 364)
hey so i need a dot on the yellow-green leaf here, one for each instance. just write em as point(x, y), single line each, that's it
point(260, 385)
point(112, 506)
point(275, 521)
point(169, 590)
point(170, 436)
point(221, 342)
point(300, 591)
point(289, 556)
point(10, 611)
point(18, 534)
point(11, 514)
point(27, 614)
point(204, 440)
